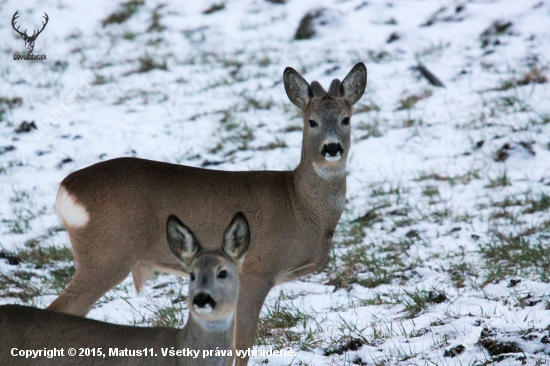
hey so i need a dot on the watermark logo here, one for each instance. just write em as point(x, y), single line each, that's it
point(29, 40)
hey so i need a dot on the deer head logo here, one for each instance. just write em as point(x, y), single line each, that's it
point(29, 40)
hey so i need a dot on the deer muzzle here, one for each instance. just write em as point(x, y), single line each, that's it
point(203, 303)
point(332, 152)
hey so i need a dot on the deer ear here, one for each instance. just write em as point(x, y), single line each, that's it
point(236, 239)
point(181, 240)
point(353, 86)
point(297, 89)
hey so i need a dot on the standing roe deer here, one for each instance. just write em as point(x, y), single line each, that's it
point(114, 210)
point(213, 294)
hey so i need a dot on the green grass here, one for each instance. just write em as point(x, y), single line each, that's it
point(174, 316)
point(59, 270)
point(410, 101)
point(350, 338)
point(441, 214)
point(372, 127)
point(129, 36)
point(380, 56)
point(389, 189)
point(534, 75)
point(508, 201)
point(366, 108)
point(411, 122)
point(20, 284)
point(416, 301)
point(430, 191)
point(365, 265)
point(537, 204)
point(501, 180)
point(374, 248)
point(273, 145)
point(214, 8)
point(465, 178)
point(235, 135)
point(155, 25)
point(24, 210)
point(128, 9)
point(147, 63)
point(256, 104)
point(460, 271)
point(99, 80)
point(276, 321)
point(8, 103)
point(508, 256)
point(40, 257)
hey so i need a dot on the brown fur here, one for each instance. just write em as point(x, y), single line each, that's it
point(292, 214)
point(27, 328)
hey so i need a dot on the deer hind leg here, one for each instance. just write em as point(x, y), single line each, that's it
point(252, 294)
point(104, 255)
point(89, 285)
point(99, 267)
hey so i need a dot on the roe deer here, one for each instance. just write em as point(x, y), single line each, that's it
point(213, 294)
point(114, 210)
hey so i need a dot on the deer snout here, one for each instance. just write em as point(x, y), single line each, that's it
point(203, 303)
point(332, 151)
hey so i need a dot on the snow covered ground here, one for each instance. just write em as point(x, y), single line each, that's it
point(442, 256)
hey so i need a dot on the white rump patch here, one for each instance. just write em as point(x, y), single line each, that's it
point(69, 211)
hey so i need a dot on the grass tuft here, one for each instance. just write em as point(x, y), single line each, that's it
point(410, 101)
point(539, 203)
point(512, 256)
point(147, 63)
point(128, 9)
point(214, 8)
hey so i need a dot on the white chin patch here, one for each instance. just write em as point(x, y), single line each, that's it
point(207, 309)
point(333, 158)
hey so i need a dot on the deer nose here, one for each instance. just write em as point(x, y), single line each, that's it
point(332, 150)
point(203, 303)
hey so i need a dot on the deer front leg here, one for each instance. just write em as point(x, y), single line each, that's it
point(252, 293)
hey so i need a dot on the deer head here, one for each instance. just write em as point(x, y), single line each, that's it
point(29, 40)
point(213, 286)
point(326, 117)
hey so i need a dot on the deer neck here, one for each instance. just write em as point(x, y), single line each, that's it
point(199, 334)
point(321, 191)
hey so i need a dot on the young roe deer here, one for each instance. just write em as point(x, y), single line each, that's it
point(114, 210)
point(213, 294)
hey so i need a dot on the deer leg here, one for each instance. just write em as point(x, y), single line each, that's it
point(88, 285)
point(252, 293)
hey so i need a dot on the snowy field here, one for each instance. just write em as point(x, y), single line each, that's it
point(442, 255)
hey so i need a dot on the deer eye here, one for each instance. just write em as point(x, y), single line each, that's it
point(192, 275)
point(222, 274)
point(345, 121)
point(312, 123)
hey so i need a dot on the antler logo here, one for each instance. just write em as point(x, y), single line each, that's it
point(29, 40)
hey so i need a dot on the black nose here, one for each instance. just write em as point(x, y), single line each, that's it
point(332, 149)
point(202, 299)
